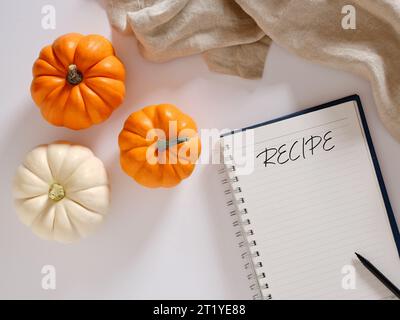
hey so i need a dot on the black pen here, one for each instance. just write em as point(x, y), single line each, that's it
point(387, 283)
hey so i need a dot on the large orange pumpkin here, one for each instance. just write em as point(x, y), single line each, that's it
point(78, 81)
point(177, 150)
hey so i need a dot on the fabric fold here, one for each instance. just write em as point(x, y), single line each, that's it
point(234, 37)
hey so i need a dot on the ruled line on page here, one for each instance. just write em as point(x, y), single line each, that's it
point(310, 216)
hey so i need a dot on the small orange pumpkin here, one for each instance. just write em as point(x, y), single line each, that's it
point(175, 146)
point(78, 81)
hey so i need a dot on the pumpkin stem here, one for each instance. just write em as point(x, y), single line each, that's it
point(74, 76)
point(56, 192)
point(163, 145)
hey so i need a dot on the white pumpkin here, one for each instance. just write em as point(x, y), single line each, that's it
point(61, 191)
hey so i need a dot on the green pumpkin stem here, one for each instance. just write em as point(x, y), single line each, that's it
point(163, 145)
point(56, 192)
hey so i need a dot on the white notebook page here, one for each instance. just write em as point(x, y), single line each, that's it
point(310, 214)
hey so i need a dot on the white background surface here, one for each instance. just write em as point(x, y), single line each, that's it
point(175, 243)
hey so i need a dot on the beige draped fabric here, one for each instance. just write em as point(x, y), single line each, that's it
point(234, 37)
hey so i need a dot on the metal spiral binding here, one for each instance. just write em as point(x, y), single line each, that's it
point(240, 214)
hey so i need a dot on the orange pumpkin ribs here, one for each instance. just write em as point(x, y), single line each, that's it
point(78, 81)
point(159, 146)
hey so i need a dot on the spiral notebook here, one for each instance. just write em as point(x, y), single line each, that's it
point(305, 192)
